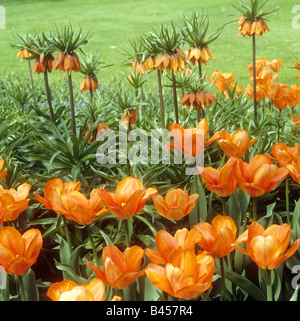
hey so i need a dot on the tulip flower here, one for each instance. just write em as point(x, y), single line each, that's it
point(221, 80)
point(222, 182)
point(167, 245)
point(53, 194)
point(2, 173)
point(274, 64)
point(129, 198)
point(217, 237)
point(176, 205)
point(186, 276)
point(19, 252)
point(267, 247)
point(191, 141)
point(259, 176)
point(285, 155)
point(236, 144)
point(294, 169)
point(13, 202)
point(68, 290)
point(296, 121)
point(120, 269)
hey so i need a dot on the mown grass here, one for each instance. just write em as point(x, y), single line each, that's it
point(112, 23)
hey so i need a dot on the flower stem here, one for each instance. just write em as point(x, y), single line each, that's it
point(224, 295)
point(72, 104)
point(254, 209)
point(254, 77)
point(224, 206)
point(67, 234)
point(269, 285)
point(162, 109)
point(21, 287)
point(175, 98)
point(93, 246)
point(287, 202)
point(48, 94)
point(127, 238)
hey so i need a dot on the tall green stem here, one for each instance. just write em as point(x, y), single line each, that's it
point(224, 295)
point(224, 206)
point(269, 285)
point(254, 76)
point(127, 238)
point(48, 94)
point(72, 105)
point(93, 246)
point(175, 98)
point(67, 234)
point(161, 100)
point(21, 287)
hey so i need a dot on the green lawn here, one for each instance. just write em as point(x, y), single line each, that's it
point(112, 22)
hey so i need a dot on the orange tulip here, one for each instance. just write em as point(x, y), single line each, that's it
point(260, 94)
point(296, 121)
point(191, 141)
point(285, 155)
point(53, 193)
point(13, 202)
point(186, 276)
point(176, 204)
point(259, 176)
point(235, 145)
point(221, 182)
point(221, 80)
point(19, 252)
point(120, 269)
point(217, 237)
point(68, 290)
point(167, 245)
point(294, 170)
point(2, 173)
point(267, 248)
point(275, 64)
point(129, 198)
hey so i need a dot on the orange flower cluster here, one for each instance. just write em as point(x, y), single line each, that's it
point(89, 83)
point(43, 63)
point(249, 28)
point(201, 55)
point(165, 62)
point(66, 62)
point(65, 199)
point(279, 94)
point(23, 53)
point(199, 100)
point(184, 274)
point(224, 82)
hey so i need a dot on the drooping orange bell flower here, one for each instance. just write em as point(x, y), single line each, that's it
point(199, 54)
point(249, 28)
point(53, 193)
point(23, 53)
point(43, 64)
point(129, 117)
point(285, 155)
point(186, 276)
point(2, 172)
point(222, 182)
point(13, 202)
point(235, 145)
point(98, 132)
point(66, 62)
point(191, 141)
point(294, 170)
point(120, 269)
point(89, 83)
point(167, 245)
point(199, 100)
point(176, 204)
point(217, 237)
point(19, 252)
point(267, 247)
point(68, 290)
point(259, 176)
point(171, 62)
point(129, 198)
point(140, 67)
